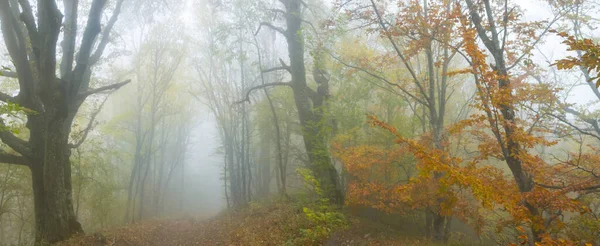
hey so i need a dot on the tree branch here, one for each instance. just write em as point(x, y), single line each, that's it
point(278, 11)
point(7, 98)
point(89, 126)
point(17, 144)
point(8, 74)
point(411, 95)
point(247, 98)
point(116, 86)
point(556, 18)
point(584, 188)
point(13, 159)
point(410, 69)
point(476, 19)
point(15, 48)
point(50, 23)
point(87, 42)
point(278, 29)
point(106, 33)
point(287, 68)
point(29, 20)
point(69, 37)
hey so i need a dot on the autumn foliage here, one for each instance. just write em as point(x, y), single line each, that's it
point(588, 55)
point(513, 119)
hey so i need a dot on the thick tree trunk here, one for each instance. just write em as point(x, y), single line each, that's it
point(51, 177)
point(312, 127)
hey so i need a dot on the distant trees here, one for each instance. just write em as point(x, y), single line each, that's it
point(223, 72)
point(53, 97)
point(160, 122)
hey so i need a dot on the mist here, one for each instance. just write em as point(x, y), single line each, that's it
point(299, 122)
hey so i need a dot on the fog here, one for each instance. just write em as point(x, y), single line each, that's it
point(299, 122)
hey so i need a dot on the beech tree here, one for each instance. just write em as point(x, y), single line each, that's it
point(53, 84)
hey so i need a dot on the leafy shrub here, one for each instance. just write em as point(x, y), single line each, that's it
point(323, 217)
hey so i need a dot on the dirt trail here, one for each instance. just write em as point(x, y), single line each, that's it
point(276, 224)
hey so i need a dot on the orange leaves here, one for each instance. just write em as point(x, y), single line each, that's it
point(588, 55)
point(459, 71)
point(504, 131)
point(438, 174)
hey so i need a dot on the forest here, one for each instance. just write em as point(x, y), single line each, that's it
point(299, 122)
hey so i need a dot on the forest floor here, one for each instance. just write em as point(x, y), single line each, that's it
point(273, 224)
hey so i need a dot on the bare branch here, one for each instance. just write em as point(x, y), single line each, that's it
point(29, 20)
point(278, 29)
point(15, 44)
point(584, 188)
point(411, 95)
point(410, 69)
point(7, 98)
point(283, 63)
point(106, 33)
point(17, 144)
point(87, 42)
point(116, 86)
point(582, 131)
point(50, 23)
point(102, 89)
point(556, 18)
point(13, 159)
point(247, 98)
point(278, 11)
point(8, 74)
point(584, 118)
point(89, 126)
point(287, 68)
point(69, 37)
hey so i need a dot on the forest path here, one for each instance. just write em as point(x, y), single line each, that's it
point(275, 224)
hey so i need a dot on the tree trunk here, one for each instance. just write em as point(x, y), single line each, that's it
point(312, 127)
point(51, 177)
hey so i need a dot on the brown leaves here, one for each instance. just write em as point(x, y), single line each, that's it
point(272, 224)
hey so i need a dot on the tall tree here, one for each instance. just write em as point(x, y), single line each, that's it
point(55, 96)
point(311, 104)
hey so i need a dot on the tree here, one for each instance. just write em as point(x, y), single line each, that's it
point(311, 104)
point(218, 83)
point(426, 29)
point(502, 92)
point(32, 43)
point(156, 66)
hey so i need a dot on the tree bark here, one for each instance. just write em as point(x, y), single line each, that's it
point(51, 179)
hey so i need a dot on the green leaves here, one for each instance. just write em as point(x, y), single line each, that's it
point(11, 111)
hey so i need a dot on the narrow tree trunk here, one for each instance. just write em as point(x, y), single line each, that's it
point(428, 223)
point(229, 153)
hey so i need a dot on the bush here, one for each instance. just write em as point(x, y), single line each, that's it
point(323, 217)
